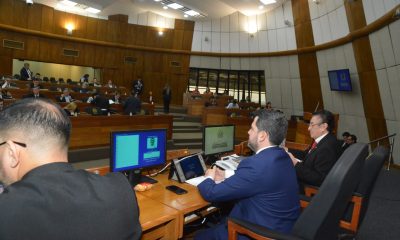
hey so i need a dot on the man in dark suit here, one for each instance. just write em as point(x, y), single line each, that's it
point(132, 105)
point(45, 197)
point(323, 153)
point(264, 185)
point(35, 93)
point(25, 72)
point(138, 86)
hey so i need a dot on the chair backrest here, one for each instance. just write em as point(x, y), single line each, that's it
point(372, 166)
point(320, 220)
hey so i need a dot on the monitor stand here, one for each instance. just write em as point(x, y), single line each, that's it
point(135, 177)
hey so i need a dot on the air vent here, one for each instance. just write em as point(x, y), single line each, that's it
point(175, 64)
point(70, 52)
point(13, 44)
point(130, 60)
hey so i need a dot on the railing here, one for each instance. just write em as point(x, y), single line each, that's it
point(389, 138)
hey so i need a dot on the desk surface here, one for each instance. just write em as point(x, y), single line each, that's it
point(186, 203)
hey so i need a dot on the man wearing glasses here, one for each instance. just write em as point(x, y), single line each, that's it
point(322, 154)
point(44, 196)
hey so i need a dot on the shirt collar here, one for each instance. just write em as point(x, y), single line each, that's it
point(320, 138)
point(262, 149)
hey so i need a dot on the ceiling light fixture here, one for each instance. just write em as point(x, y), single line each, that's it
point(192, 13)
point(92, 10)
point(261, 7)
point(266, 2)
point(69, 3)
point(165, 7)
point(185, 15)
point(175, 6)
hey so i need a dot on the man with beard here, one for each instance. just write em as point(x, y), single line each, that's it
point(264, 186)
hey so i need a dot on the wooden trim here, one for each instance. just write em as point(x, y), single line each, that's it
point(234, 229)
point(365, 31)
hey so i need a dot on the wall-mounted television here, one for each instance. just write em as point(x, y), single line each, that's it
point(339, 80)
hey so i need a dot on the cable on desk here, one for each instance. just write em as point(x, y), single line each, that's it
point(156, 173)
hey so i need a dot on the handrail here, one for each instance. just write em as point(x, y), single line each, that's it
point(379, 139)
point(391, 146)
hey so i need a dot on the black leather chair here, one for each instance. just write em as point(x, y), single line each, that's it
point(320, 220)
point(45, 79)
point(358, 205)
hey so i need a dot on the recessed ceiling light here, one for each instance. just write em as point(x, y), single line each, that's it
point(261, 7)
point(92, 10)
point(266, 2)
point(157, 0)
point(175, 6)
point(192, 13)
point(69, 3)
point(185, 15)
point(165, 7)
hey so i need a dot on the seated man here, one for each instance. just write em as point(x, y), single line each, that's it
point(65, 96)
point(35, 93)
point(323, 153)
point(46, 197)
point(264, 185)
point(102, 103)
point(132, 105)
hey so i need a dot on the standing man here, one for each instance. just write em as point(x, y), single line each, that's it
point(264, 186)
point(45, 197)
point(132, 105)
point(25, 72)
point(166, 97)
point(138, 86)
point(323, 153)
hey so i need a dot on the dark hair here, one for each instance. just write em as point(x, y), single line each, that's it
point(345, 134)
point(37, 118)
point(353, 137)
point(326, 117)
point(274, 123)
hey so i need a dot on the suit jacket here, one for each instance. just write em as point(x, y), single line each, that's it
point(63, 99)
point(25, 74)
point(265, 190)
point(319, 161)
point(138, 86)
point(54, 201)
point(31, 95)
point(132, 105)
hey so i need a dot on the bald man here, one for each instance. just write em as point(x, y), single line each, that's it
point(44, 196)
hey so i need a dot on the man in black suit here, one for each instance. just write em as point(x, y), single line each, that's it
point(138, 86)
point(35, 93)
point(25, 72)
point(132, 105)
point(323, 153)
point(44, 196)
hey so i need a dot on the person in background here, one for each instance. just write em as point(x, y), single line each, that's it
point(167, 94)
point(25, 72)
point(85, 78)
point(351, 139)
point(263, 187)
point(138, 86)
point(345, 135)
point(45, 194)
point(268, 105)
point(226, 92)
point(1, 104)
point(6, 84)
point(35, 83)
point(322, 154)
point(248, 98)
point(84, 88)
point(151, 98)
point(207, 91)
point(96, 83)
point(212, 101)
point(233, 104)
point(116, 98)
point(35, 93)
point(195, 92)
point(110, 84)
point(37, 77)
point(132, 105)
point(65, 96)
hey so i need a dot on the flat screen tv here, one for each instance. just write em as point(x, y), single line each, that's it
point(218, 139)
point(339, 80)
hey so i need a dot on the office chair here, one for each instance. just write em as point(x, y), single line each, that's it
point(356, 209)
point(61, 80)
point(320, 220)
point(45, 79)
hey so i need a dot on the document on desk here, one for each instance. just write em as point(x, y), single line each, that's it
point(196, 181)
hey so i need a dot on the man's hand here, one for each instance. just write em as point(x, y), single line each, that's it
point(211, 173)
point(219, 174)
point(294, 160)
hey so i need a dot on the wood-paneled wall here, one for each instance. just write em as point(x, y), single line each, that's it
point(101, 44)
point(308, 65)
point(373, 108)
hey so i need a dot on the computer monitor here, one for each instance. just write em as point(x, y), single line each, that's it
point(131, 151)
point(339, 80)
point(218, 139)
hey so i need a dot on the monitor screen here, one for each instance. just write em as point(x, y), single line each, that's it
point(339, 80)
point(192, 166)
point(218, 139)
point(132, 150)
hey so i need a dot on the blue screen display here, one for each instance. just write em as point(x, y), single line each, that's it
point(339, 80)
point(137, 149)
point(191, 167)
